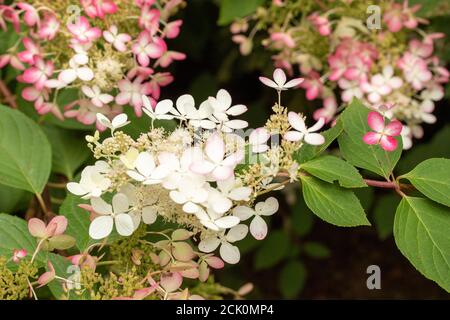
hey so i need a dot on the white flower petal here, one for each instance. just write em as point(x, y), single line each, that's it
point(240, 194)
point(227, 222)
point(209, 244)
point(229, 253)
point(258, 228)
point(268, 207)
point(237, 110)
point(145, 164)
point(268, 82)
point(76, 188)
point(314, 139)
point(237, 233)
point(243, 212)
point(279, 77)
point(101, 207)
point(296, 122)
point(101, 227)
point(120, 203)
point(120, 120)
point(293, 136)
point(163, 106)
point(124, 224)
point(149, 214)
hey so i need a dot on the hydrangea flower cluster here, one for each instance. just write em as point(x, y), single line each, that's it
point(340, 57)
point(112, 51)
point(207, 176)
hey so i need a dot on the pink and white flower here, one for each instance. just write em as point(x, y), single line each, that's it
point(18, 254)
point(31, 51)
point(132, 92)
point(31, 16)
point(279, 81)
point(216, 163)
point(222, 108)
point(229, 253)
point(82, 31)
point(98, 98)
point(49, 27)
point(148, 46)
point(39, 73)
point(118, 40)
point(258, 227)
point(98, 8)
point(383, 134)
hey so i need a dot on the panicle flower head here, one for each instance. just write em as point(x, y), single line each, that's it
point(339, 59)
point(205, 176)
point(101, 50)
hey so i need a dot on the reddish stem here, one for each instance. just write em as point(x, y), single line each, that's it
point(9, 98)
point(381, 184)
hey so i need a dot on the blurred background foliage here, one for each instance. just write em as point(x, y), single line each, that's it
point(302, 257)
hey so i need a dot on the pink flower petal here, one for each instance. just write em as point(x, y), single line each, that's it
point(375, 121)
point(371, 138)
point(37, 228)
point(388, 143)
point(393, 128)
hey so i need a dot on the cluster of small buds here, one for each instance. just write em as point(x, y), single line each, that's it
point(206, 175)
point(113, 51)
point(341, 59)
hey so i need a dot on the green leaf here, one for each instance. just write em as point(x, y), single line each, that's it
point(12, 199)
point(432, 178)
point(69, 150)
point(421, 231)
point(274, 249)
point(78, 222)
point(302, 218)
point(355, 151)
point(308, 152)
point(233, 9)
point(292, 279)
point(330, 169)
point(384, 214)
point(14, 235)
point(25, 153)
point(316, 250)
point(7, 39)
point(438, 147)
point(430, 8)
point(333, 204)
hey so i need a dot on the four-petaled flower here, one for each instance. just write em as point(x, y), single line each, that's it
point(110, 215)
point(279, 81)
point(303, 133)
point(384, 134)
point(228, 252)
point(258, 227)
